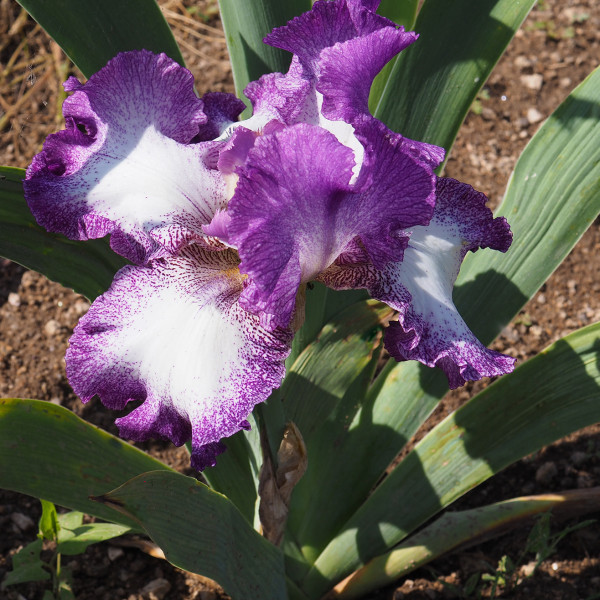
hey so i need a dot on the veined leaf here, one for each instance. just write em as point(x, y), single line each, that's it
point(458, 529)
point(492, 287)
point(322, 374)
point(86, 267)
point(552, 197)
point(236, 472)
point(434, 82)
point(546, 398)
point(313, 517)
point(48, 452)
point(201, 531)
point(27, 566)
point(91, 33)
point(246, 24)
point(402, 12)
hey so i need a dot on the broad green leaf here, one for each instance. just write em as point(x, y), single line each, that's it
point(454, 529)
point(492, 287)
point(434, 82)
point(402, 12)
point(86, 267)
point(324, 371)
point(313, 517)
point(322, 304)
point(354, 451)
point(74, 536)
point(316, 397)
point(246, 24)
point(236, 472)
point(545, 399)
point(201, 531)
point(91, 33)
point(27, 566)
point(552, 197)
point(48, 452)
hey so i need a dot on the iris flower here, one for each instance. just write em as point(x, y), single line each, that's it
point(225, 222)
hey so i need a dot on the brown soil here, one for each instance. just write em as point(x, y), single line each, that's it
point(557, 47)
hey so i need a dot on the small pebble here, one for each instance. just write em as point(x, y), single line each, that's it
point(533, 82)
point(528, 488)
point(566, 82)
point(536, 331)
point(585, 481)
point(487, 114)
point(534, 115)
point(28, 279)
point(14, 299)
point(52, 327)
point(528, 569)
point(81, 307)
point(23, 522)
point(114, 553)
point(522, 62)
point(546, 473)
point(137, 565)
point(157, 588)
point(578, 458)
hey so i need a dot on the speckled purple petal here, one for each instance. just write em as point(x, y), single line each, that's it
point(287, 98)
point(174, 337)
point(347, 70)
point(328, 23)
point(429, 328)
point(221, 111)
point(294, 210)
point(123, 164)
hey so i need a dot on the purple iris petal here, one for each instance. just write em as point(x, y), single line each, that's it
point(221, 111)
point(124, 166)
point(229, 220)
point(429, 328)
point(283, 97)
point(294, 210)
point(347, 70)
point(325, 25)
point(174, 337)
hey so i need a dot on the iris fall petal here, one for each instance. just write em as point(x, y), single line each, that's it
point(174, 337)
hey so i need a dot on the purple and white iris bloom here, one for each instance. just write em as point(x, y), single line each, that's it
point(226, 221)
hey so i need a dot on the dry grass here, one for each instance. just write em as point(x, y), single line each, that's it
point(33, 68)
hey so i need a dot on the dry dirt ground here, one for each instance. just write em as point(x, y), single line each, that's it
point(557, 47)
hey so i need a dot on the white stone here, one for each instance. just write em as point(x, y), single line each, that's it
point(533, 82)
point(534, 115)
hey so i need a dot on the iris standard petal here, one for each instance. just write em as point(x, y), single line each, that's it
point(328, 23)
point(347, 70)
point(123, 165)
point(174, 337)
point(295, 211)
